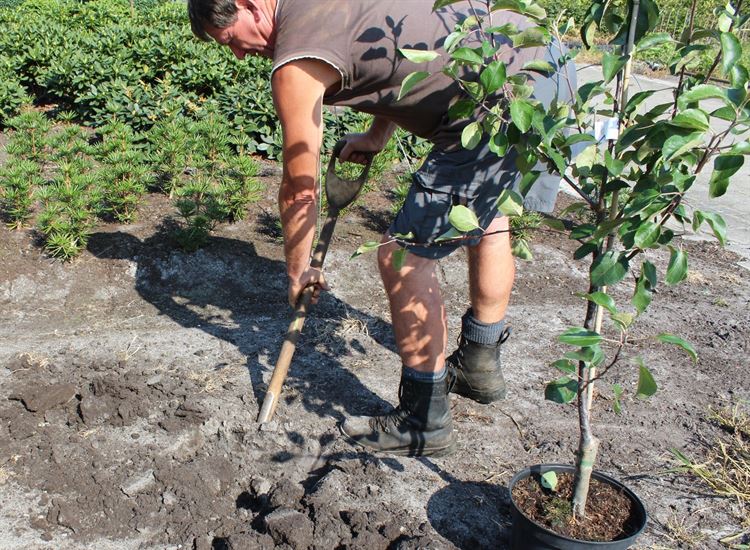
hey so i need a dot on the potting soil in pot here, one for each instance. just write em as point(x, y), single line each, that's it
point(609, 513)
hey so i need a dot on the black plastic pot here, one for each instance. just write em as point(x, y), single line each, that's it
point(529, 535)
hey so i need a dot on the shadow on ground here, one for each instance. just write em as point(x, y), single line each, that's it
point(230, 292)
point(472, 515)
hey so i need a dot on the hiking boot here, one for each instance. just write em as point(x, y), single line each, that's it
point(421, 425)
point(474, 370)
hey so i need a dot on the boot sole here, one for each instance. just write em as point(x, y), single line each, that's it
point(441, 451)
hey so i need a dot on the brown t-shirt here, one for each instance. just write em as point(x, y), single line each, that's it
point(360, 38)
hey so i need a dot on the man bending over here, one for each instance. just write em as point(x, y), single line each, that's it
point(335, 52)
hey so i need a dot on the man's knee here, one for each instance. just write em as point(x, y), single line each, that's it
point(410, 265)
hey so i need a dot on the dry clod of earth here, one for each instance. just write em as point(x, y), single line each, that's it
point(131, 380)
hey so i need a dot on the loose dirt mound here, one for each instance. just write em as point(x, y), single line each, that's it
point(133, 376)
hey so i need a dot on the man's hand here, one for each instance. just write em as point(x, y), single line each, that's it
point(373, 141)
point(310, 276)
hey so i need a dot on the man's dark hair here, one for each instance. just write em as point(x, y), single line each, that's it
point(217, 13)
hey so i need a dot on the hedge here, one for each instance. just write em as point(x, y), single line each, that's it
point(96, 59)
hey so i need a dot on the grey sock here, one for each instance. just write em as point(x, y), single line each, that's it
point(420, 376)
point(482, 333)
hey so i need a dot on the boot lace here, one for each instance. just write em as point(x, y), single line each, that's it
point(386, 422)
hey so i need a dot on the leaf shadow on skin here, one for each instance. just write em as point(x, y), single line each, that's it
point(231, 293)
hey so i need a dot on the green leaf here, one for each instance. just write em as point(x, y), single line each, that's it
point(614, 165)
point(453, 39)
point(442, 3)
point(725, 18)
point(399, 256)
point(463, 219)
point(498, 144)
point(364, 248)
point(471, 135)
point(653, 40)
point(611, 65)
point(584, 250)
point(677, 341)
point(715, 221)
point(647, 234)
point(649, 271)
point(731, 51)
point(562, 390)
point(523, 7)
point(725, 166)
point(539, 66)
point(580, 337)
point(617, 392)
point(467, 55)
point(506, 29)
point(410, 81)
point(419, 56)
point(520, 249)
point(510, 203)
point(565, 366)
point(549, 480)
point(531, 37)
point(451, 234)
point(609, 268)
point(737, 96)
point(741, 148)
point(586, 158)
point(698, 93)
point(678, 266)
point(463, 108)
point(677, 145)
point(527, 181)
point(554, 223)
point(591, 355)
point(693, 119)
point(602, 299)
point(642, 295)
point(404, 236)
point(588, 32)
point(646, 383)
point(578, 138)
point(623, 319)
point(493, 76)
point(522, 113)
point(739, 75)
point(636, 100)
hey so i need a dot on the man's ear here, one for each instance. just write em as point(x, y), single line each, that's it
point(243, 4)
point(248, 5)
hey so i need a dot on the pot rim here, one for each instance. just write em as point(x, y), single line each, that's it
point(599, 476)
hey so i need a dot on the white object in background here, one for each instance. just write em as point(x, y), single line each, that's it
point(607, 128)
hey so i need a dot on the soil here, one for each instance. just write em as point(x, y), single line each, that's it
point(131, 379)
point(609, 511)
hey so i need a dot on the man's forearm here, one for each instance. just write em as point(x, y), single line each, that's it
point(382, 129)
point(298, 211)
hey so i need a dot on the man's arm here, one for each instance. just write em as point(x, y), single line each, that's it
point(372, 141)
point(298, 89)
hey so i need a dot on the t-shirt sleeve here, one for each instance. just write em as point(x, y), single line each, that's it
point(304, 31)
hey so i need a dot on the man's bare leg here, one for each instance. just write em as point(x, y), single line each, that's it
point(492, 271)
point(421, 425)
point(475, 365)
point(417, 309)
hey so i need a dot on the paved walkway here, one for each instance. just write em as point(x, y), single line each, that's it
point(734, 206)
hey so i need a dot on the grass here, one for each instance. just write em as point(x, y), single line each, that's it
point(684, 531)
point(725, 468)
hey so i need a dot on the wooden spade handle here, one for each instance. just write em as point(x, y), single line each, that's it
point(295, 326)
